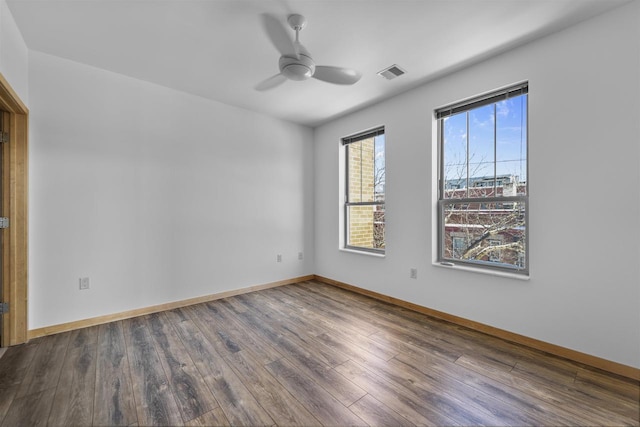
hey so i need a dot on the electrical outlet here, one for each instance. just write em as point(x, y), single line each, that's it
point(84, 283)
point(300, 256)
point(414, 273)
point(279, 258)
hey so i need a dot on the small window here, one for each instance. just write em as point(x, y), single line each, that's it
point(483, 195)
point(364, 205)
point(459, 244)
point(494, 253)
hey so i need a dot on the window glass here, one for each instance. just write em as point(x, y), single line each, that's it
point(472, 232)
point(511, 144)
point(481, 159)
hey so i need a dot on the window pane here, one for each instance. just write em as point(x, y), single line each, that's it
point(454, 135)
point(511, 144)
point(491, 233)
point(363, 172)
point(365, 226)
point(481, 151)
point(379, 173)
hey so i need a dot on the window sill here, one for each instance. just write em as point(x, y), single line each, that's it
point(355, 251)
point(482, 271)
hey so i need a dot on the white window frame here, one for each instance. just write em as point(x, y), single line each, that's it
point(477, 265)
point(346, 141)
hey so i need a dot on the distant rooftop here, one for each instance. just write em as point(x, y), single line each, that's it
point(481, 181)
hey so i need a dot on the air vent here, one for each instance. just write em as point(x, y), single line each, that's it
point(392, 72)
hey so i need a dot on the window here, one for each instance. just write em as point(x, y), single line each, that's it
point(364, 198)
point(483, 193)
point(494, 254)
point(459, 244)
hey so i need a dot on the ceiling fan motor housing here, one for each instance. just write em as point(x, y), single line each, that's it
point(301, 68)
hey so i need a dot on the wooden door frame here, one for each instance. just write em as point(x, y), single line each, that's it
point(15, 174)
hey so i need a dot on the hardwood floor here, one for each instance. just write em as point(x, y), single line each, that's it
point(304, 354)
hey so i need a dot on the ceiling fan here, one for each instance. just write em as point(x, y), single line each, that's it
point(296, 62)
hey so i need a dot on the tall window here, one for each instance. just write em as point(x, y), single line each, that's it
point(364, 198)
point(483, 193)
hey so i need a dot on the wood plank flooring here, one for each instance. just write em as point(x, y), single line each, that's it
point(306, 354)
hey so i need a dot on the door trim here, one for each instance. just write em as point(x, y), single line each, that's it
point(15, 174)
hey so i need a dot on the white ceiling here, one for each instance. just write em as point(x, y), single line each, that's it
point(218, 49)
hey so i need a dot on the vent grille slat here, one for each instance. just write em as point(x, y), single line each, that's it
point(392, 72)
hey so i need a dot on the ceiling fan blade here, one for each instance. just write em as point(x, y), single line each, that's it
point(279, 35)
point(271, 82)
point(336, 75)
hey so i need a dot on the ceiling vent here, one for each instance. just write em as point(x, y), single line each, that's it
point(392, 72)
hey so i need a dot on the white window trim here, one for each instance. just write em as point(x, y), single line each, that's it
point(435, 177)
point(363, 252)
point(489, 272)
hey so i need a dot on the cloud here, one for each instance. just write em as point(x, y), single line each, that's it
point(502, 108)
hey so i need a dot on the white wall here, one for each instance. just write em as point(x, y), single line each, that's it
point(13, 53)
point(156, 195)
point(584, 109)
